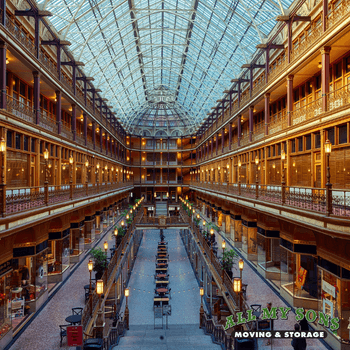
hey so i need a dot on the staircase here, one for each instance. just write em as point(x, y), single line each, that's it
point(184, 337)
point(161, 208)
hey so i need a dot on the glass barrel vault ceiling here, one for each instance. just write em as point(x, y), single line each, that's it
point(191, 48)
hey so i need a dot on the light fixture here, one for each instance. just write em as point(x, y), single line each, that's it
point(105, 245)
point(203, 222)
point(328, 146)
point(46, 154)
point(127, 217)
point(7, 61)
point(211, 231)
point(239, 163)
point(228, 166)
point(241, 264)
point(99, 287)
point(237, 285)
point(98, 166)
point(71, 160)
point(106, 167)
point(122, 223)
point(283, 155)
point(319, 65)
point(256, 160)
point(2, 145)
point(86, 163)
point(127, 292)
point(90, 265)
point(198, 216)
point(201, 291)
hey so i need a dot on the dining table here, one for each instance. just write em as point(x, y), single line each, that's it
point(162, 290)
point(73, 319)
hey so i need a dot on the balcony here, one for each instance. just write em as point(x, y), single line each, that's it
point(18, 200)
point(334, 202)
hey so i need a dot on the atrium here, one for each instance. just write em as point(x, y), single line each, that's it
point(208, 137)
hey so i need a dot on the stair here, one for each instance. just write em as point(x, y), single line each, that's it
point(184, 337)
point(161, 209)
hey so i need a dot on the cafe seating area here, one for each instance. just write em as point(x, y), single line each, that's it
point(162, 292)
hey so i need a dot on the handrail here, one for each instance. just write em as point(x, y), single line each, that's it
point(328, 201)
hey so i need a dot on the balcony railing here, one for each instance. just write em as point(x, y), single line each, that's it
point(334, 202)
point(307, 112)
point(18, 200)
point(20, 109)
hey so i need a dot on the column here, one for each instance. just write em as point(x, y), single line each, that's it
point(85, 127)
point(3, 51)
point(36, 96)
point(3, 9)
point(74, 78)
point(251, 82)
point(239, 130)
point(267, 64)
point(217, 143)
point(74, 122)
point(94, 134)
point(107, 143)
point(289, 35)
point(289, 98)
point(36, 36)
point(325, 75)
point(229, 135)
point(251, 122)
point(324, 15)
point(267, 113)
point(85, 92)
point(58, 47)
point(58, 112)
point(223, 139)
point(212, 146)
point(239, 94)
point(101, 138)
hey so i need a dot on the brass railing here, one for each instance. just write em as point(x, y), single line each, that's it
point(29, 198)
point(330, 201)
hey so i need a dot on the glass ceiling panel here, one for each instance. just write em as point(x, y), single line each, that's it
point(192, 48)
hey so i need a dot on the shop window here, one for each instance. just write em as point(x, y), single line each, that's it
point(307, 142)
point(343, 134)
point(293, 146)
point(318, 82)
point(296, 95)
point(18, 141)
point(300, 144)
point(330, 135)
point(273, 151)
point(303, 91)
point(347, 64)
point(318, 140)
point(22, 89)
point(279, 149)
point(9, 138)
point(33, 145)
point(338, 70)
point(25, 143)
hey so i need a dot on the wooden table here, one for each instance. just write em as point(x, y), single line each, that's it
point(164, 282)
point(74, 319)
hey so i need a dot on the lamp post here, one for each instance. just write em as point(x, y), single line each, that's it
point(239, 176)
point(241, 266)
point(46, 183)
point(99, 320)
point(201, 310)
point(105, 247)
point(328, 150)
point(90, 267)
point(71, 161)
point(3, 184)
point(97, 175)
point(257, 177)
point(237, 288)
point(127, 293)
point(283, 183)
point(116, 237)
point(223, 246)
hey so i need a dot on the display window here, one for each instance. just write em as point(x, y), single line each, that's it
point(89, 230)
point(249, 240)
point(58, 255)
point(28, 283)
point(5, 297)
point(269, 256)
point(299, 275)
point(76, 242)
point(334, 296)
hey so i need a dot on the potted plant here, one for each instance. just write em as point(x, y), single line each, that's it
point(100, 261)
point(228, 260)
point(121, 233)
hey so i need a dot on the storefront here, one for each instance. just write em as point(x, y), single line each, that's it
point(5, 291)
point(58, 256)
point(98, 227)
point(28, 282)
point(269, 255)
point(76, 241)
point(249, 240)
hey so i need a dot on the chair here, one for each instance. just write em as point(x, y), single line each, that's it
point(77, 311)
point(63, 332)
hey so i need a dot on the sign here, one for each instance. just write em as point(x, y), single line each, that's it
point(75, 336)
point(328, 288)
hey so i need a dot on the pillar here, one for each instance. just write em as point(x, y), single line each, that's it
point(239, 94)
point(229, 135)
point(251, 82)
point(58, 112)
point(267, 64)
point(74, 122)
point(217, 143)
point(93, 100)
point(3, 9)
point(74, 79)
point(324, 15)
point(36, 96)
point(251, 122)
point(58, 47)
point(94, 134)
point(3, 52)
point(85, 92)
point(289, 98)
point(85, 127)
point(223, 140)
point(36, 36)
point(267, 113)
point(325, 75)
point(289, 36)
point(239, 130)
point(101, 138)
